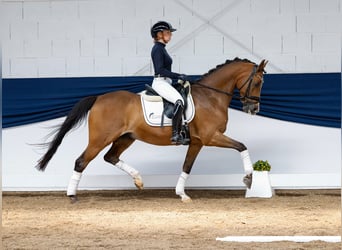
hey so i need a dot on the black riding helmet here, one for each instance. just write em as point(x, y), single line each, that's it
point(160, 26)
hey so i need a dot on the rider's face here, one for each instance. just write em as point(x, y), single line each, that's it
point(165, 36)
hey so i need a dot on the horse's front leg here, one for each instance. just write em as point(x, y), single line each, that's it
point(191, 155)
point(220, 140)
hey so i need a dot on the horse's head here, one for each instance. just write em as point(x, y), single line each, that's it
point(250, 88)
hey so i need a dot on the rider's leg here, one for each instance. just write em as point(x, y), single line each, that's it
point(177, 137)
point(163, 87)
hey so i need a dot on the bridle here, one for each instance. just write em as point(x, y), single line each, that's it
point(246, 96)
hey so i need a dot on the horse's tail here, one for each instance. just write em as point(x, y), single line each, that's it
point(74, 118)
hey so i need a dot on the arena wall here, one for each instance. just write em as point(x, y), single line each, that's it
point(85, 38)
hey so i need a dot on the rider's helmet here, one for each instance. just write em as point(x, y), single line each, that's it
point(160, 26)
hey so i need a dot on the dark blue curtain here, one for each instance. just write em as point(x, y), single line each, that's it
point(305, 98)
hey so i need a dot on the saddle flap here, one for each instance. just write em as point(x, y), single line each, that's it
point(154, 111)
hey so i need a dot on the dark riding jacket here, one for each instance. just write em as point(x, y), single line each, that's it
point(162, 62)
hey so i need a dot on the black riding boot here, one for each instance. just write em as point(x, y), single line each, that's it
point(177, 137)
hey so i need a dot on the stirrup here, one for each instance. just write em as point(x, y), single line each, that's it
point(177, 139)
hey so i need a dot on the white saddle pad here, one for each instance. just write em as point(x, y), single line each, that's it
point(153, 110)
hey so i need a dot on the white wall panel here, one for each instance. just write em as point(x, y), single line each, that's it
point(23, 30)
point(311, 23)
point(6, 66)
point(94, 47)
point(53, 29)
point(136, 26)
point(215, 48)
point(52, 67)
point(24, 67)
point(334, 23)
point(108, 66)
point(105, 29)
point(260, 6)
point(122, 47)
point(33, 11)
point(65, 48)
point(80, 66)
point(12, 48)
point(326, 43)
point(297, 43)
point(172, 9)
point(133, 64)
point(318, 63)
point(294, 6)
point(11, 11)
point(242, 44)
point(149, 8)
point(291, 27)
point(64, 10)
point(207, 9)
point(267, 43)
point(286, 63)
point(144, 44)
point(93, 10)
point(326, 6)
point(37, 48)
point(297, 159)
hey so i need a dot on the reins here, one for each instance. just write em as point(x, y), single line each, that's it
point(246, 96)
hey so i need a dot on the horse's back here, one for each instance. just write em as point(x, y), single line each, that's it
point(117, 104)
point(115, 96)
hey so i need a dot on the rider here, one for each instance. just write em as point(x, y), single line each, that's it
point(161, 32)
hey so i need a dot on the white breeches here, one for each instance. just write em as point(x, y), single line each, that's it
point(162, 85)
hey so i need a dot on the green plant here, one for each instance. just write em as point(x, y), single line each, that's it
point(261, 166)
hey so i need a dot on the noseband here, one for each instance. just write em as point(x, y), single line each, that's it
point(246, 96)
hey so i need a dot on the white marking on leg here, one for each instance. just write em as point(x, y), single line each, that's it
point(180, 187)
point(247, 163)
point(132, 172)
point(73, 183)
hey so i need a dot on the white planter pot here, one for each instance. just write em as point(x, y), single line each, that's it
point(261, 185)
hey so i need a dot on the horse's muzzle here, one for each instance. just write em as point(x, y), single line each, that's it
point(251, 107)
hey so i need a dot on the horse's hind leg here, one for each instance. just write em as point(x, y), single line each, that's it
point(80, 164)
point(113, 157)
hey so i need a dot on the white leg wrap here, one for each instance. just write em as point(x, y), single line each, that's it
point(73, 183)
point(247, 164)
point(180, 186)
point(128, 169)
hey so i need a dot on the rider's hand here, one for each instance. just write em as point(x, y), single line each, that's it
point(183, 77)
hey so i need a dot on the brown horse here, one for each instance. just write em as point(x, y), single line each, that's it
point(116, 118)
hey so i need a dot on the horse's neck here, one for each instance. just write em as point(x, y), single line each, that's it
point(223, 79)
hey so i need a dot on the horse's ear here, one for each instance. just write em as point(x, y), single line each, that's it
point(262, 66)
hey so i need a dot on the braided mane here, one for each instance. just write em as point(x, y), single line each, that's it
point(236, 59)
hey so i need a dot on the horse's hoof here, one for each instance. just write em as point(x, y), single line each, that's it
point(73, 199)
point(139, 183)
point(186, 199)
point(247, 180)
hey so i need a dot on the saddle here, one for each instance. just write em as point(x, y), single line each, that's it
point(184, 91)
point(159, 112)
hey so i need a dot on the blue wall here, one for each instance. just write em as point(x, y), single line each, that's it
point(310, 98)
